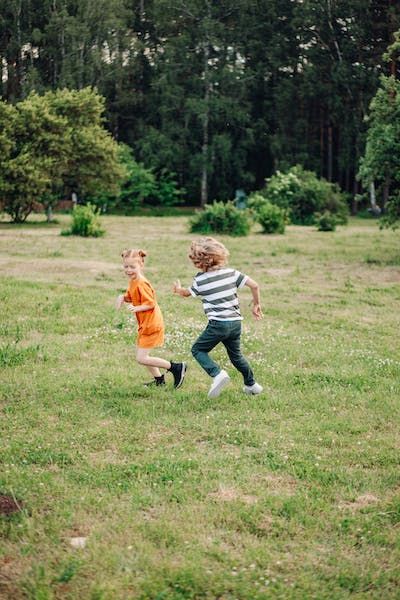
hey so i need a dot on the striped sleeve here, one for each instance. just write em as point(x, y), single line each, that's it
point(194, 290)
point(241, 279)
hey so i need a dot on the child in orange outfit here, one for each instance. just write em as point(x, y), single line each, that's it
point(141, 300)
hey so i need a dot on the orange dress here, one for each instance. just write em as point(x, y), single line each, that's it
point(150, 322)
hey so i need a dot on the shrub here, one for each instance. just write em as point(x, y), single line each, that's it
point(140, 187)
point(85, 222)
point(221, 217)
point(326, 222)
point(272, 218)
point(391, 218)
point(303, 195)
point(255, 202)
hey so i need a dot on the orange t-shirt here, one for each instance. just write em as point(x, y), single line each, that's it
point(150, 322)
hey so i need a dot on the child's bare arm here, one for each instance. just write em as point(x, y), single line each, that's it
point(255, 290)
point(119, 301)
point(178, 289)
point(139, 307)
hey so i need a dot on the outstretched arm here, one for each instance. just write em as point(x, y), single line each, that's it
point(255, 290)
point(119, 301)
point(178, 289)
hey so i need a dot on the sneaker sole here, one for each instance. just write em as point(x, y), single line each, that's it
point(184, 369)
point(218, 388)
point(252, 393)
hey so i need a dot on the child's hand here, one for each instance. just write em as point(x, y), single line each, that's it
point(177, 286)
point(119, 301)
point(131, 308)
point(257, 312)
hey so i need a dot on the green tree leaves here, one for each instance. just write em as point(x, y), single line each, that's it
point(53, 145)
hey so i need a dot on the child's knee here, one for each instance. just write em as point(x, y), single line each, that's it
point(195, 350)
point(140, 359)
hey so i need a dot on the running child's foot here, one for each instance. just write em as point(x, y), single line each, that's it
point(218, 384)
point(256, 388)
point(178, 371)
point(156, 381)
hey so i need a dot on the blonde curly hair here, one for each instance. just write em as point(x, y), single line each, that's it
point(207, 254)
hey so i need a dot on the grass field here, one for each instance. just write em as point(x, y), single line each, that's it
point(293, 494)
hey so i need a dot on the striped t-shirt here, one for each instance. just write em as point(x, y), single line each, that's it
point(218, 292)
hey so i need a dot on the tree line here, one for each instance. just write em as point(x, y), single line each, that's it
point(219, 93)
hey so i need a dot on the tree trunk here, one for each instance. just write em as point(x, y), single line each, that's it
point(49, 213)
point(386, 191)
point(13, 58)
point(205, 125)
point(374, 207)
point(354, 202)
point(321, 143)
point(330, 153)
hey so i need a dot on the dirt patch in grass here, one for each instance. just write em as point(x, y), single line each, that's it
point(161, 434)
point(231, 494)
point(364, 274)
point(266, 523)
point(10, 572)
point(277, 485)
point(108, 456)
point(49, 269)
point(9, 505)
point(106, 423)
point(280, 272)
point(359, 503)
point(151, 513)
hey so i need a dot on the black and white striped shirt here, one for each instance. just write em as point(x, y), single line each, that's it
point(218, 292)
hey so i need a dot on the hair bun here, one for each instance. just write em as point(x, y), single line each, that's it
point(134, 253)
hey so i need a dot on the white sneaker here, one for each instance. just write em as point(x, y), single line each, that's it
point(218, 384)
point(256, 388)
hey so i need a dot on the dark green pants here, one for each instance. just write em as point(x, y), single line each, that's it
point(228, 333)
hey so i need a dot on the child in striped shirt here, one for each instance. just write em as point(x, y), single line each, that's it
point(217, 286)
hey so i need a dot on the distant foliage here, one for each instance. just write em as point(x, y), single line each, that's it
point(303, 195)
point(221, 217)
point(391, 218)
point(272, 218)
point(140, 186)
point(326, 222)
point(54, 144)
point(85, 222)
point(381, 161)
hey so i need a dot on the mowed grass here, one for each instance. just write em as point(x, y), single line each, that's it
point(292, 494)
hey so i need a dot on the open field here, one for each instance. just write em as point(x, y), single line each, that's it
point(293, 494)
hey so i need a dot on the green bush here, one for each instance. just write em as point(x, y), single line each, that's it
point(255, 202)
point(272, 218)
point(303, 195)
point(85, 222)
point(391, 218)
point(326, 222)
point(140, 187)
point(221, 217)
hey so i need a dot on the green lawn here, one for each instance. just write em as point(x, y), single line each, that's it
point(293, 494)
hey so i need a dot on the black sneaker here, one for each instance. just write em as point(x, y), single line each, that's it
point(155, 381)
point(178, 371)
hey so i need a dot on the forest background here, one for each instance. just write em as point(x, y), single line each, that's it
point(219, 94)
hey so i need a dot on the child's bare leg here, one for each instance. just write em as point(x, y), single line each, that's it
point(152, 363)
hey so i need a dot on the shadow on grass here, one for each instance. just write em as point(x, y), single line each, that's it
point(27, 224)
